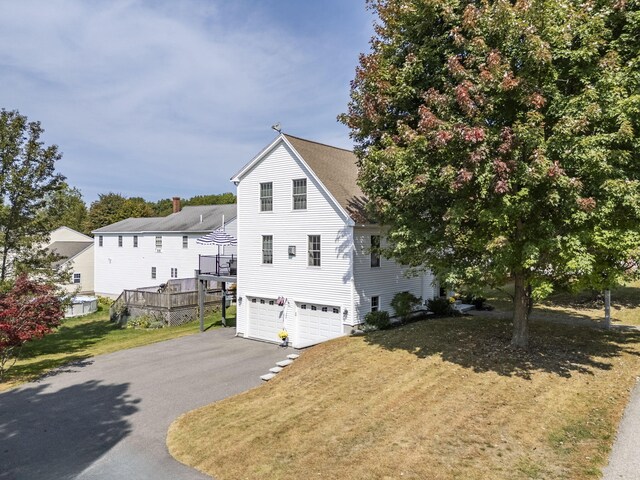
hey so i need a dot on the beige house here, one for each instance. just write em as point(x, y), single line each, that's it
point(76, 252)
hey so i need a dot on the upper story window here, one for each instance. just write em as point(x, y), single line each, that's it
point(267, 249)
point(375, 255)
point(158, 243)
point(185, 241)
point(76, 277)
point(300, 194)
point(119, 240)
point(100, 240)
point(153, 272)
point(266, 197)
point(135, 241)
point(314, 250)
point(174, 272)
point(375, 304)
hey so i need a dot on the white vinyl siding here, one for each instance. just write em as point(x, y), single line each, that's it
point(118, 269)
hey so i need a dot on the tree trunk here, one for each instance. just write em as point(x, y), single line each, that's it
point(520, 337)
point(607, 309)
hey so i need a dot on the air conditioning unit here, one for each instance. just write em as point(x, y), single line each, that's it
point(292, 250)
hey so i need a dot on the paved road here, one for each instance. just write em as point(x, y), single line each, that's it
point(624, 462)
point(107, 418)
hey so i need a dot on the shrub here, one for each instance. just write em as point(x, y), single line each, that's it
point(104, 302)
point(403, 303)
point(378, 319)
point(440, 306)
point(145, 321)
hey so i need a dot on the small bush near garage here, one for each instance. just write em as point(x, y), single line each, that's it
point(440, 306)
point(379, 320)
point(403, 304)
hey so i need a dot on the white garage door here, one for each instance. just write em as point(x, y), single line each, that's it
point(265, 319)
point(317, 323)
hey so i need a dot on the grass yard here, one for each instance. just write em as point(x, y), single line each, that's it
point(80, 338)
point(436, 399)
point(625, 305)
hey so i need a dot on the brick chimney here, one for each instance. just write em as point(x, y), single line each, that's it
point(176, 204)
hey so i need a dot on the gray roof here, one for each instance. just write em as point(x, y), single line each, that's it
point(196, 219)
point(67, 250)
point(337, 169)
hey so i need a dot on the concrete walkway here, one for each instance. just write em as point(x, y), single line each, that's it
point(107, 417)
point(624, 461)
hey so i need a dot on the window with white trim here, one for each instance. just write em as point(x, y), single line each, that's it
point(76, 278)
point(267, 249)
point(119, 240)
point(300, 194)
point(174, 272)
point(375, 254)
point(135, 241)
point(314, 251)
point(266, 197)
point(153, 272)
point(100, 240)
point(375, 303)
point(158, 243)
point(185, 241)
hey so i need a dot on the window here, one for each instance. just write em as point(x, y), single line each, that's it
point(375, 303)
point(314, 250)
point(153, 272)
point(253, 300)
point(100, 240)
point(266, 197)
point(76, 278)
point(135, 241)
point(272, 302)
point(300, 194)
point(325, 309)
point(174, 272)
point(303, 307)
point(314, 308)
point(375, 255)
point(185, 241)
point(158, 243)
point(119, 240)
point(262, 301)
point(267, 249)
point(336, 310)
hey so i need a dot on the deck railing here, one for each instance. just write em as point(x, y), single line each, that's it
point(218, 265)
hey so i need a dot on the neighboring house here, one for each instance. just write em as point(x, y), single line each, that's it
point(76, 255)
point(303, 237)
point(143, 252)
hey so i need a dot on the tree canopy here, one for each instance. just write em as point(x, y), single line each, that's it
point(27, 180)
point(499, 140)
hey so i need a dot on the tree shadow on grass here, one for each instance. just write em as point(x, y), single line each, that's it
point(57, 434)
point(483, 345)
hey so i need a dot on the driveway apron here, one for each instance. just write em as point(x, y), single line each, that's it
point(107, 417)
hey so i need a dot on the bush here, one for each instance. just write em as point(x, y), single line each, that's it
point(403, 303)
point(145, 321)
point(440, 306)
point(378, 319)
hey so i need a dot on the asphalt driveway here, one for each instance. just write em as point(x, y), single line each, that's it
point(107, 417)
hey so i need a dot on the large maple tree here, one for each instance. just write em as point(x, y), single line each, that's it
point(498, 140)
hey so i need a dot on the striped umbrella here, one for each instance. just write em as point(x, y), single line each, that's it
point(218, 237)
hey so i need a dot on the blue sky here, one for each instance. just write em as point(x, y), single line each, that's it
point(164, 98)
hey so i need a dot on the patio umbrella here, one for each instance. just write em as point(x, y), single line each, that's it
point(218, 237)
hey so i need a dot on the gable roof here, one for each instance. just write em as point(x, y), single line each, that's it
point(191, 219)
point(335, 167)
point(68, 250)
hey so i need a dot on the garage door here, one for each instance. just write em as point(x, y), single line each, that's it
point(264, 319)
point(317, 323)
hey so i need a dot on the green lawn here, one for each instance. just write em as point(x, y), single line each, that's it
point(83, 337)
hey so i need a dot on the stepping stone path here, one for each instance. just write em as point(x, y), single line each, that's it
point(279, 367)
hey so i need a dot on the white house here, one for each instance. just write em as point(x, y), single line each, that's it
point(143, 252)
point(76, 254)
point(304, 241)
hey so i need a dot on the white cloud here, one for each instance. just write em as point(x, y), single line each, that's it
point(163, 98)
